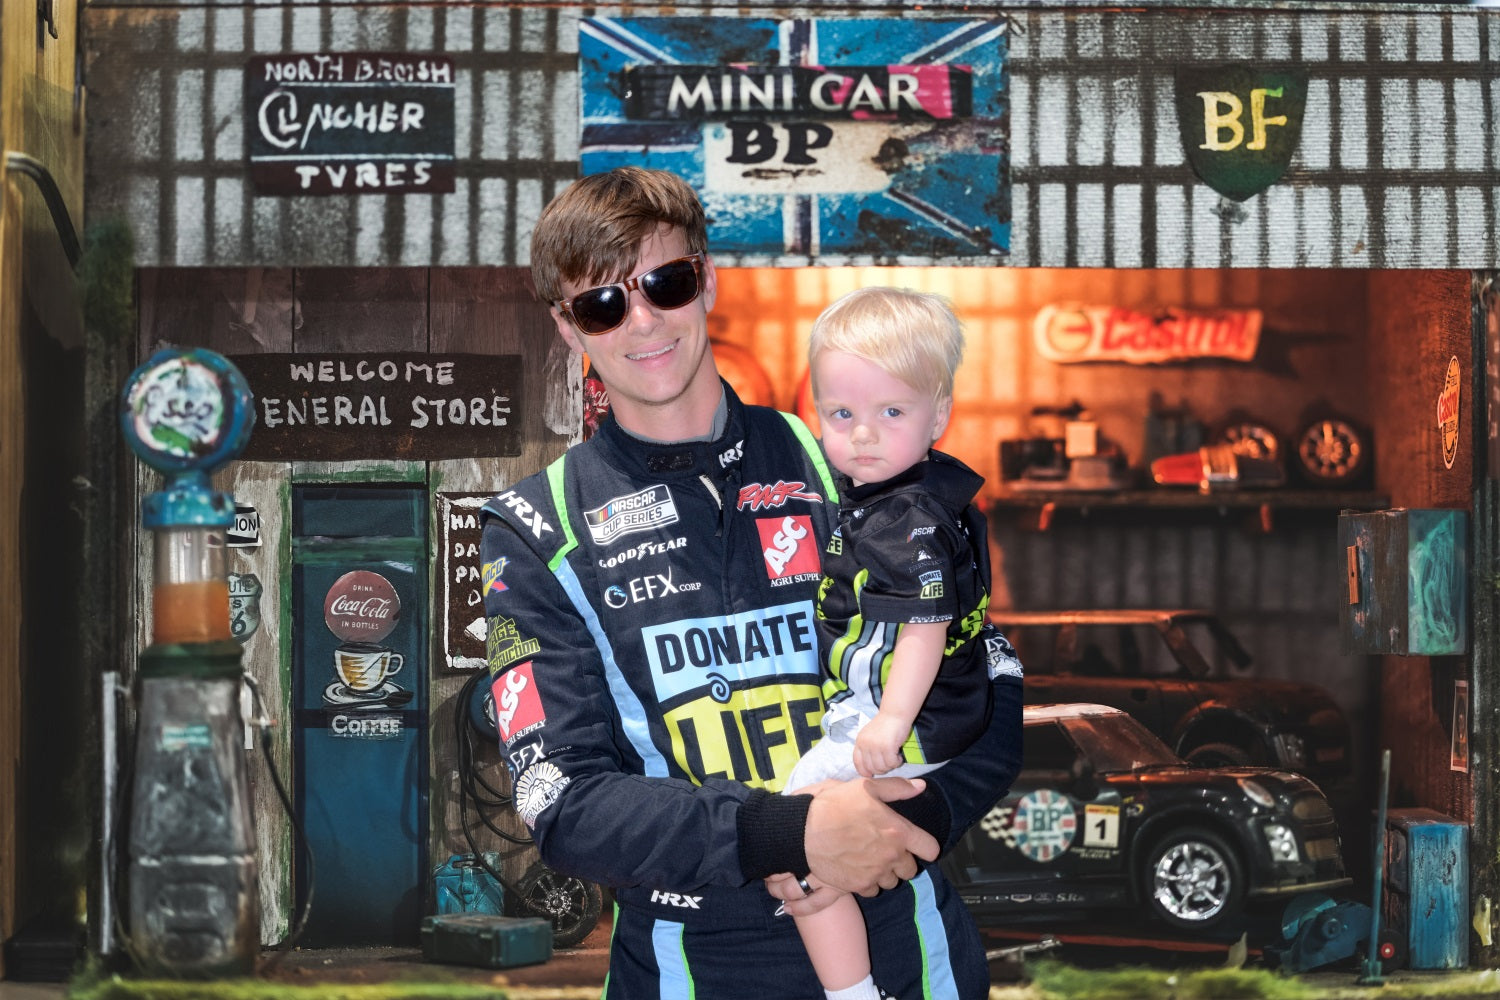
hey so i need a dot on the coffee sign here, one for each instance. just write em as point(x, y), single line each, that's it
point(350, 123)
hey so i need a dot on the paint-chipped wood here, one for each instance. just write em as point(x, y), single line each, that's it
point(267, 659)
point(1423, 319)
point(489, 311)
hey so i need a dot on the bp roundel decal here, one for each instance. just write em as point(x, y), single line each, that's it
point(1044, 824)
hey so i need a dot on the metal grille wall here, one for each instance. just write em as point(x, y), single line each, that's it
point(1395, 166)
point(167, 142)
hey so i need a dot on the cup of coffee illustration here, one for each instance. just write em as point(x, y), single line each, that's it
point(365, 666)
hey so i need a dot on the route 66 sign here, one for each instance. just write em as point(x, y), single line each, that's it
point(1240, 125)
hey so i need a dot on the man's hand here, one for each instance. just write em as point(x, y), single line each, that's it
point(787, 888)
point(877, 748)
point(857, 843)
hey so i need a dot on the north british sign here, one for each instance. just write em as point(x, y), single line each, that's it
point(350, 123)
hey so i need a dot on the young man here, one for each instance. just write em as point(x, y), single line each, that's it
point(654, 661)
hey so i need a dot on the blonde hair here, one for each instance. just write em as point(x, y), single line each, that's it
point(592, 231)
point(912, 336)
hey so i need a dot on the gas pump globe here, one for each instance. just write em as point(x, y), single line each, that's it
point(185, 414)
point(192, 874)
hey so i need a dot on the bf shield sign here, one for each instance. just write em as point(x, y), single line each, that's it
point(1240, 125)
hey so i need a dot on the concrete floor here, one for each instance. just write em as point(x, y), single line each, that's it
point(30, 991)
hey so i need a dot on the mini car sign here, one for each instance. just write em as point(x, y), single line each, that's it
point(1240, 124)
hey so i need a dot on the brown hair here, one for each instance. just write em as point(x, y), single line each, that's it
point(592, 231)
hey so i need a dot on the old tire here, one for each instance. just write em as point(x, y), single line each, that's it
point(1194, 880)
point(572, 904)
point(1219, 755)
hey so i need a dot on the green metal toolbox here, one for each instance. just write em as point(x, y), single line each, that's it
point(486, 940)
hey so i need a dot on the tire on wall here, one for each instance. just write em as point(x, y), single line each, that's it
point(1219, 755)
point(1194, 880)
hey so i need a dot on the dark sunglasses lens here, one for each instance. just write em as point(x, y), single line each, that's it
point(599, 310)
point(672, 285)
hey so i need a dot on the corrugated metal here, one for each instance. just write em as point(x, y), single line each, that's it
point(1395, 167)
point(1270, 588)
point(167, 136)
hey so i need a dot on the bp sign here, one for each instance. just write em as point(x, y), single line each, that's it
point(1240, 125)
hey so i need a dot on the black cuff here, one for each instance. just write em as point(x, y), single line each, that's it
point(927, 810)
point(771, 829)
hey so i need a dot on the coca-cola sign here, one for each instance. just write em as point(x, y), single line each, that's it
point(361, 606)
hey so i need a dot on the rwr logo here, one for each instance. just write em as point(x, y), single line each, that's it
point(758, 496)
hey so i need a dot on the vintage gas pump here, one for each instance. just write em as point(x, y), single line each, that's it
point(191, 883)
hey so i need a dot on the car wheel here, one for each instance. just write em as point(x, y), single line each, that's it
point(1219, 755)
point(572, 904)
point(1332, 453)
point(1194, 880)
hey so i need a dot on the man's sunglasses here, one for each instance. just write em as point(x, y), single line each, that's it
point(667, 286)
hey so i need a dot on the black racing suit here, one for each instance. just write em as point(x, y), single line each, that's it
point(656, 675)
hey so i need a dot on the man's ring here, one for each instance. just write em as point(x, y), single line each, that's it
point(807, 890)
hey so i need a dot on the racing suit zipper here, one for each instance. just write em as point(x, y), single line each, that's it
point(713, 491)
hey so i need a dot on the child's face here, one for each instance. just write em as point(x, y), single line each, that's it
point(874, 425)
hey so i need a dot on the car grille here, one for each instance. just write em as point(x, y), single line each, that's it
point(1312, 809)
point(1322, 850)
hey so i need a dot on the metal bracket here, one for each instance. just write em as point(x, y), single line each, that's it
point(33, 168)
point(45, 20)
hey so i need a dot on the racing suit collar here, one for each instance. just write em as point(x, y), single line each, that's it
point(717, 458)
point(942, 475)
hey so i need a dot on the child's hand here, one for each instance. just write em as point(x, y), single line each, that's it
point(877, 748)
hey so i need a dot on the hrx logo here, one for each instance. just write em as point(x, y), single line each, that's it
point(677, 899)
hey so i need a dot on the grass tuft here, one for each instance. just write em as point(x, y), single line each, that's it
point(1054, 979)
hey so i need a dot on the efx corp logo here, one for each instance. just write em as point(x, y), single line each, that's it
point(650, 508)
point(646, 588)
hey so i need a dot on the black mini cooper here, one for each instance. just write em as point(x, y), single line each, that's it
point(1166, 667)
point(1103, 815)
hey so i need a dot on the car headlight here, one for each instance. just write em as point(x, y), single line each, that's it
point(1257, 793)
point(1291, 749)
point(1282, 842)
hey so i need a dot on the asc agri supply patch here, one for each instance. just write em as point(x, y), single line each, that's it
point(789, 547)
point(518, 705)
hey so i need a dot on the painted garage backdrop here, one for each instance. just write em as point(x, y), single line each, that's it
point(1024, 159)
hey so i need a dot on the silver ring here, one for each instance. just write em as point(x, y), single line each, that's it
point(807, 890)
